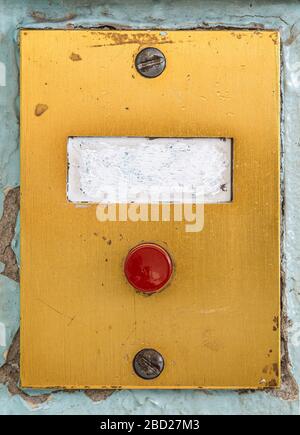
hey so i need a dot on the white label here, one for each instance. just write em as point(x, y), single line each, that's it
point(142, 170)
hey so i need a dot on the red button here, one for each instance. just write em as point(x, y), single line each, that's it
point(148, 267)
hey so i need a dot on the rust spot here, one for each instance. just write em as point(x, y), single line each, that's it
point(40, 109)
point(137, 38)
point(266, 369)
point(75, 57)
point(272, 369)
point(276, 323)
point(109, 242)
point(276, 369)
point(274, 38)
point(273, 383)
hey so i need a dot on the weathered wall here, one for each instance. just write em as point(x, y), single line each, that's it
point(16, 14)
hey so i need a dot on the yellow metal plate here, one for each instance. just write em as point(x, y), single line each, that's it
point(217, 324)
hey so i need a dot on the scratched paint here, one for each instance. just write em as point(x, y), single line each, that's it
point(164, 14)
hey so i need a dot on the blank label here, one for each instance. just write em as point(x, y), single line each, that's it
point(149, 170)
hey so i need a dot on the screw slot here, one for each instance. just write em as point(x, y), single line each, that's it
point(150, 62)
point(148, 364)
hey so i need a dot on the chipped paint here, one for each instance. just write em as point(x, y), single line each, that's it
point(40, 109)
point(7, 231)
point(75, 57)
point(162, 14)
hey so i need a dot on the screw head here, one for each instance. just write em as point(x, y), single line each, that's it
point(150, 62)
point(148, 364)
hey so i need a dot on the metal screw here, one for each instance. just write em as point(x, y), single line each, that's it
point(148, 363)
point(150, 62)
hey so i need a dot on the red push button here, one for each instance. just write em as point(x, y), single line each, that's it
point(148, 267)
